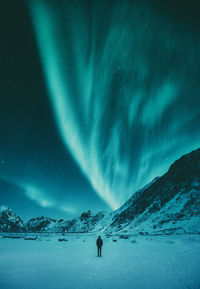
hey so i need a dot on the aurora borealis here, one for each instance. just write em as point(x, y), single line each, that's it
point(121, 91)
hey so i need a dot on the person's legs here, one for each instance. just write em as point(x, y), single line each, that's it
point(98, 250)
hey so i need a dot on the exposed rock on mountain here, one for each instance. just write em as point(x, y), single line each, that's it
point(9, 221)
point(87, 222)
point(40, 224)
point(170, 204)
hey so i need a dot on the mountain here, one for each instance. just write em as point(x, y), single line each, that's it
point(170, 204)
point(40, 224)
point(87, 222)
point(9, 221)
point(84, 224)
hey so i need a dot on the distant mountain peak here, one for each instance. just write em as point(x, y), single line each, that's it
point(170, 203)
point(4, 208)
point(9, 221)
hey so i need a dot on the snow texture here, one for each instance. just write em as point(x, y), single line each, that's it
point(170, 262)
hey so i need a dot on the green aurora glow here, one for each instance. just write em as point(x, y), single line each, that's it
point(123, 84)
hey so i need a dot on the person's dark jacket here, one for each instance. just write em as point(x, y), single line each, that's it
point(99, 242)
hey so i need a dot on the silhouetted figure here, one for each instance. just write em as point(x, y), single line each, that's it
point(99, 245)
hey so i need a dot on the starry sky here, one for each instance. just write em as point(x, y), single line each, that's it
point(97, 98)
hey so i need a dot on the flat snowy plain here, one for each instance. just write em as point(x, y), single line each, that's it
point(137, 263)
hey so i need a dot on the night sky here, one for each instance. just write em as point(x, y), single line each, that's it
point(97, 98)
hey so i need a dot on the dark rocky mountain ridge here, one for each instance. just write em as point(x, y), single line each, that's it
point(168, 204)
point(171, 199)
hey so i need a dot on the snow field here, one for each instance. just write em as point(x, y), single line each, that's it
point(171, 262)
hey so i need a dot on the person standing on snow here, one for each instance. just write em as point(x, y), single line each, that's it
point(99, 243)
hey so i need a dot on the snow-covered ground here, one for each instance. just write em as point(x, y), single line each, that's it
point(137, 263)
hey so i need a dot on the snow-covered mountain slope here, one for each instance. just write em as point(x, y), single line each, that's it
point(9, 221)
point(134, 198)
point(86, 223)
point(170, 204)
point(40, 224)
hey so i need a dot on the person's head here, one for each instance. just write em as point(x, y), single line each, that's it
point(99, 237)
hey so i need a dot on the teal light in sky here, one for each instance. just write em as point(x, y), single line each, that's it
point(118, 82)
point(44, 200)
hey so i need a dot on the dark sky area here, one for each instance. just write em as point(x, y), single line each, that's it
point(31, 150)
point(96, 99)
